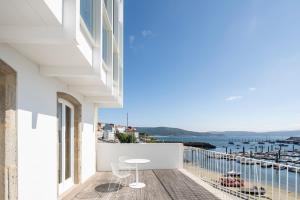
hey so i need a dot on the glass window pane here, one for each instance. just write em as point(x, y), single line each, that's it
point(59, 116)
point(105, 45)
point(68, 144)
point(86, 12)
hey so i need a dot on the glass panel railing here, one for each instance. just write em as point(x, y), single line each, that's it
point(86, 12)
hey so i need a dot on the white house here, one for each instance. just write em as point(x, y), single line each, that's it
point(109, 132)
point(120, 128)
point(60, 61)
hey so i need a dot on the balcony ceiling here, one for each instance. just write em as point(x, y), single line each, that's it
point(27, 13)
point(12, 11)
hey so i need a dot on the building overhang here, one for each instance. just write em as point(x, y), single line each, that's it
point(50, 34)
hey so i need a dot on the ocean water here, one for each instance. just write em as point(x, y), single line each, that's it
point(222, 141)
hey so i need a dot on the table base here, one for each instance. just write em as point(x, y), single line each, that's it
point(137, 185)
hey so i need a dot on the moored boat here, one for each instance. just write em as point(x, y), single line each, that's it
point(231, 182)
point(294, 169)
point(266, 165)
point(232, 174)
point(278, 166)
point(254, 191)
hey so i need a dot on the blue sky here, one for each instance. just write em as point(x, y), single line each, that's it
point(211, 65)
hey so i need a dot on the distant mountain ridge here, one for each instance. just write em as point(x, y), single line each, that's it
point(169, 131)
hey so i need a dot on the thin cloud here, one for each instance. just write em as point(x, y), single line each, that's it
point(146, 33)
point(252, 89)
point(131, 40)
point(233, 98)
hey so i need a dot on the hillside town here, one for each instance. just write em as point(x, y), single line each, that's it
point(114, 133)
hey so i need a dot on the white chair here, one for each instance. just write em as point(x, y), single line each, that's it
point(119, 175)
point(125, 166)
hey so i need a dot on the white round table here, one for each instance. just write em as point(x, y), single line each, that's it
point(137, 184)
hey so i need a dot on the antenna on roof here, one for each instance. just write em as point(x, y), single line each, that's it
point(127, 119)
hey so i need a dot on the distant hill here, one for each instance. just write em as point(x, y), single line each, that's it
point(168, 131)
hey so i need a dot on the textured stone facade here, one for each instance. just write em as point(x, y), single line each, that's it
point(8, 134)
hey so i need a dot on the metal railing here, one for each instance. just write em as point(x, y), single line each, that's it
point(243, 177)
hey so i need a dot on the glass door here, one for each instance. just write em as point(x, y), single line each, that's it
point(65, 112)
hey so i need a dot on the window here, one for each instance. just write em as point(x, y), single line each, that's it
point(65, 114)
point(109, 9)
point(106, 45)
point(106, 3)
point(115, 67)
point(86, 12)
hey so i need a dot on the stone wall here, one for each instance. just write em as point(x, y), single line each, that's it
point(8, 133)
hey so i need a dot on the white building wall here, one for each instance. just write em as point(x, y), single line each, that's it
point(88, 148)
point(37, 129)
point(162, 156)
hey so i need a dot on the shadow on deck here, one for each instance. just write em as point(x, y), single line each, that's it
point(160, 185)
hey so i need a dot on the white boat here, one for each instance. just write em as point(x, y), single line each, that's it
point(278, 166)
point(232, 173)
point(254, 191)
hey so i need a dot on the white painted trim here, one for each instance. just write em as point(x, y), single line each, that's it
point(68, 71)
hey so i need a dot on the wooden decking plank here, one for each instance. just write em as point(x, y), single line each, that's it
point(160, 185)
point(180, 187)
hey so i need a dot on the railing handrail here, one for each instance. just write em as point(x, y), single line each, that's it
point(252, 159)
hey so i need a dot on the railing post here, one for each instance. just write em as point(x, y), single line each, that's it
point(259, 178)
point(279, 187)
point(272, 180)
point(296, 184)
point(249, 175)
point(198, 162)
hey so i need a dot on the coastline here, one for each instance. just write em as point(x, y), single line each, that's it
point(203, 145)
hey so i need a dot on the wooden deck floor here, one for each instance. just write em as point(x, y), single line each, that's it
point(160, 185)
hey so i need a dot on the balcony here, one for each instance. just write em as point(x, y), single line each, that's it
point(160, 184)
point(177, 172)
point(164, 177)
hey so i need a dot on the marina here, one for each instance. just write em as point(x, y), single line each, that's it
point(240, 175)
point(251, 167)
point(277, 149)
